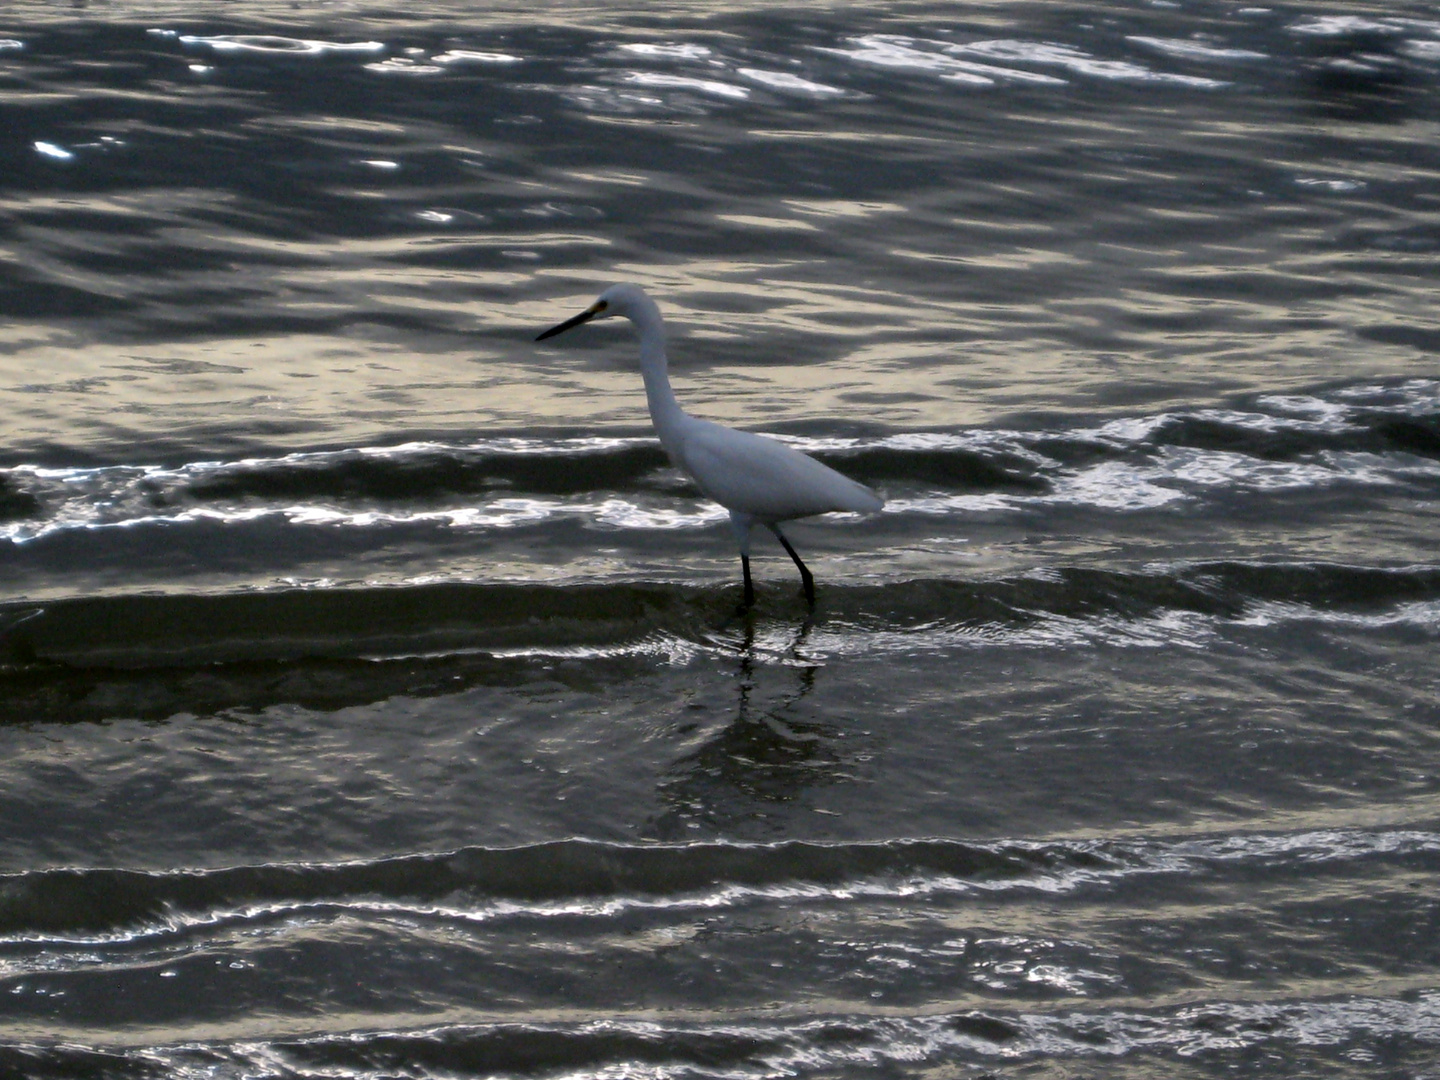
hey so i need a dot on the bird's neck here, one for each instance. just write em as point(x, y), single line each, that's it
point(665, 411)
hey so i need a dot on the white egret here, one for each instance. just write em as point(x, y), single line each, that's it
point(759, 480)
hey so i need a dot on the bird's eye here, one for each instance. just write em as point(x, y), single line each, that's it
point(600, 306)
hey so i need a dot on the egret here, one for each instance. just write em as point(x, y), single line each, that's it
point(760, 481)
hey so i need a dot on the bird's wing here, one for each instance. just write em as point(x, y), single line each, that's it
point(766, 479)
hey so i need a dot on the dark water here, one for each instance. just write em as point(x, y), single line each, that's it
point(372, 697)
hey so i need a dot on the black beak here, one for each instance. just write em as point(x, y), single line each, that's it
point(585, 316)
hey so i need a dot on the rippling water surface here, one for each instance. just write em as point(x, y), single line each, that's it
point(373, 700)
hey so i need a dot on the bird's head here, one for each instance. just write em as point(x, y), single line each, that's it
point(628, 301)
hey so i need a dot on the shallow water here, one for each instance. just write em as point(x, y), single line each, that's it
point(374, 700)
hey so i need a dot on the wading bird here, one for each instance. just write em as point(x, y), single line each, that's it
point(759, 480)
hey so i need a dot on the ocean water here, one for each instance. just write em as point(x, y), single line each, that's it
point(373, 696)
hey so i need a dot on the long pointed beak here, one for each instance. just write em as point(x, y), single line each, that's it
point(585, 316)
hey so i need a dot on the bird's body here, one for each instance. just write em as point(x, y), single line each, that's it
point(750, 474)
point(759, 480)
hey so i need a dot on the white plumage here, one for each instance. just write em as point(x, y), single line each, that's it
point(759, 480)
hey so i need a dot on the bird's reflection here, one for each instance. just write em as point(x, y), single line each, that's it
point(763, 757)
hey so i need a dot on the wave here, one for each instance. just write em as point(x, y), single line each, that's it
point(513, 927)
point(756, 1048)
point(1371, 436)
point(598, 880)
point(1319, 1034)
point(1164, 606)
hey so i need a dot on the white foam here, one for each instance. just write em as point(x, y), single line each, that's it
point(1420, 614)
point(1117, 486)
point(981, 440)
point(282, 918)
point(1048, 631)
point(1319, 845)
point(665, 648)
point(1225, 469)
point(1414, 397)
point(1146, 475)
point(92, 511)
point(1315, 416)
point(1327, 415)
point(623, 514)
point(945, 505)
point(1094, 862)
point(924, 1042)
point(1134, 429)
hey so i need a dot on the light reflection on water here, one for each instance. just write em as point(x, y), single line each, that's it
point(374, 698)
point(939, 314)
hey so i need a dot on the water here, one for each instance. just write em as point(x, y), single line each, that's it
point(374, 702)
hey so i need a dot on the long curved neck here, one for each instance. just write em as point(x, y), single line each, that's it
point(665, 411)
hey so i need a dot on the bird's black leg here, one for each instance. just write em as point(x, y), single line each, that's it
point(807, 580)
point(749, 585)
